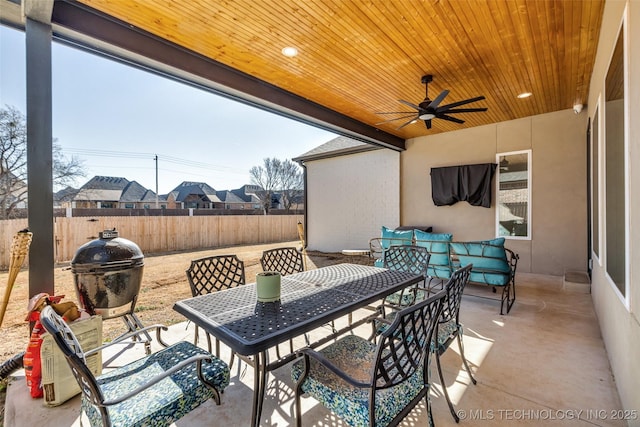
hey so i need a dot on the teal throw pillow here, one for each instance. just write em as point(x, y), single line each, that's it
point(392, 237)
point(437, 244)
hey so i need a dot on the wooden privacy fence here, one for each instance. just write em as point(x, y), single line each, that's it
point(159, 234)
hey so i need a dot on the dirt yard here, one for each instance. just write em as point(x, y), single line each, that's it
point(164, 282)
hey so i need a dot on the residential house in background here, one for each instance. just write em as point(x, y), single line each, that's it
point(63, 198)
point(114, 192)
point(194, 195)
point(244, 197)
point(102, 192)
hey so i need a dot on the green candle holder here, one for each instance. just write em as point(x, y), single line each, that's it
point(268, 286)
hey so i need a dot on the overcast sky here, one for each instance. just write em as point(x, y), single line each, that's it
point(117, 119)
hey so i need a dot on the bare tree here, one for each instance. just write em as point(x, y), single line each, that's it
point(291, 183)
point(268, 178)
point(13, 163)
point(277, 176)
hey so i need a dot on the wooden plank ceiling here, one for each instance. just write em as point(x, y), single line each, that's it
point(359, 57)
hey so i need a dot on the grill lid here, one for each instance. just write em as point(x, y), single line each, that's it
point(107, 252)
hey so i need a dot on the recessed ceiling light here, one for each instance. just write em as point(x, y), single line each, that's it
point(525, 95)
point(290, 51)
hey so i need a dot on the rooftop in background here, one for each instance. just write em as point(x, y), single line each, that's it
point(339, 146)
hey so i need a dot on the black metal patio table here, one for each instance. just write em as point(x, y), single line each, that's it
point(308, 300)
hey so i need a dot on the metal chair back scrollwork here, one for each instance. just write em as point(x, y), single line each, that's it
point(410, 259)
point(284, 260)
point(212, 274)
point(369, 384)
point(215, 273)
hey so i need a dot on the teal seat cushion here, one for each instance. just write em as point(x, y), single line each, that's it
point(437, 244)
point(406, 297)
point(392, 237)
point(489, 278)
point(489, 260)
point(445, 331)
point(164, 402)
point(355, 356)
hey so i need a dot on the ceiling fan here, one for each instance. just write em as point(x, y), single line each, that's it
point(428, 109)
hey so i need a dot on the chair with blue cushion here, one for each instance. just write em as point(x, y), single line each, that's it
point(493, 265)
point(155, 390)
point(450, 328)
point(369, 384)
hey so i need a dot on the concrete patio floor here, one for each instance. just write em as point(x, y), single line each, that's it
point(543, 364)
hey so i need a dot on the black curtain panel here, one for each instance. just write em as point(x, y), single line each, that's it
point(470, 183)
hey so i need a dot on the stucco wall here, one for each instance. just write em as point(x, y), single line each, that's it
point(350, 197)
point(618, 317)
point(559, 217)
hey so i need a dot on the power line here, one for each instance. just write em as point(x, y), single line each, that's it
point(142, 155)
point(107, 153)
point(162, 170)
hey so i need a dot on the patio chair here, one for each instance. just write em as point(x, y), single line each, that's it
point(449, 327)
point(411, 259)
point(211, 274)
point(155, 390)
point(285, 260)
point(368, 384)
point(388, 237)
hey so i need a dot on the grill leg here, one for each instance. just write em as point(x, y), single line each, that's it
point(133, 324)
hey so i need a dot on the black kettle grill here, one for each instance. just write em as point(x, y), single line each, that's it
point(107, 274)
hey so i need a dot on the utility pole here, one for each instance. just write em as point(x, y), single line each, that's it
point(156, 159)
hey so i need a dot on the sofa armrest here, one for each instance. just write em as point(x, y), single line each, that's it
point(512, 259)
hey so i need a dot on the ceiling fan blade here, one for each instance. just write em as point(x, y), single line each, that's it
point(439, 98)
point(429, 110)
point(466, 110)
point(456, 104)
point(397, 118)
point(449, 118)
point(407, 123)
point(407, 103)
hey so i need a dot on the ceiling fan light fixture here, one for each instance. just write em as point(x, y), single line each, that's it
point(289, 51)
point(524, 95)
point(426, 116)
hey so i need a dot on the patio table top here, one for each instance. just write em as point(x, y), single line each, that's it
point(308, 300)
